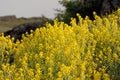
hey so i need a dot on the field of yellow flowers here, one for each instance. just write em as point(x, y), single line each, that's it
point(87, 50)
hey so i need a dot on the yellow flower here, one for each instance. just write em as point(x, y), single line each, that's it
point(65, 69)
point(4, 67)
point(97, 76)
point(30, 72)
point(59, 74)
point(115, 55)
point(50, 69)
point(67, 50)
point(106, 77)
point(77, 79)
point(41, 54)
point(7, 79)
point(21, 70)
point(59, 79)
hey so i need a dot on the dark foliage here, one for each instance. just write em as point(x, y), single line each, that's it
point(86, 8)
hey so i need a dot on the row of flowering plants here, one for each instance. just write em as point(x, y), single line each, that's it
point(83, 50)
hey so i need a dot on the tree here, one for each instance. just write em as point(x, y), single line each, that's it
point(86, 8)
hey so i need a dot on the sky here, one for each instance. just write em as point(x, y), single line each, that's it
point(29, 8)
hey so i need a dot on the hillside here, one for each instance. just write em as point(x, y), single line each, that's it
point(8, 24)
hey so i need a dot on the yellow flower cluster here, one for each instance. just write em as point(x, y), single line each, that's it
point(87, 50)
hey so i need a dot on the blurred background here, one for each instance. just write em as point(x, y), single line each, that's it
point(16, 12)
